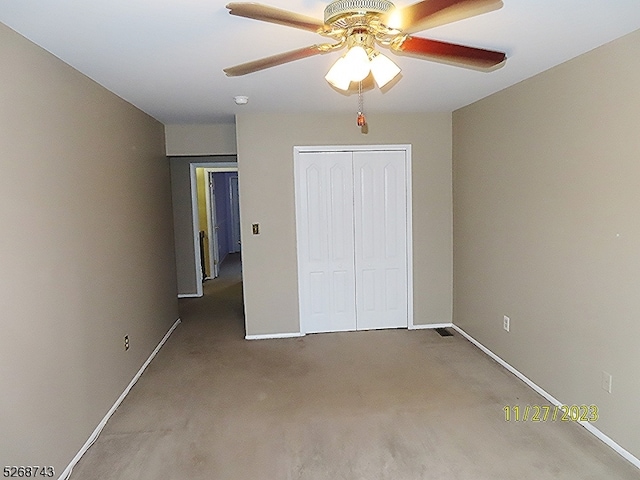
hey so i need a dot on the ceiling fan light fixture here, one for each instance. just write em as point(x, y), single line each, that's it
point(338, 75)
point(394, 20)
point(383, 69)
point(360, 25)
point(357, 63)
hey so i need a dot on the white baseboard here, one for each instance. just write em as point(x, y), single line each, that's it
point(189, 295)
point(430, 326)
point(94, 436)
point(298, 334)
point(273, 335)
point(589, 426)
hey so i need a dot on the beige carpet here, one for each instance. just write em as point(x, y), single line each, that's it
point(397, 405)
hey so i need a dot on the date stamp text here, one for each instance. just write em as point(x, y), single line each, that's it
point(553, 413)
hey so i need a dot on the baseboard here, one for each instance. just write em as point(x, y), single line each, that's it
point(94, 436)
point(188, 295)
point(298, 334)
point(273, 335)
point(430, 326)
point(553, 400)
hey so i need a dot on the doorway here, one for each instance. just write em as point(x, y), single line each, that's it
point(353, 222)
point(222, 220)
point(204, 208)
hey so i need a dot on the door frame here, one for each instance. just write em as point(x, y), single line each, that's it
point(212, 230)
point(195, 221)
point(297, 150)
point(235, 215)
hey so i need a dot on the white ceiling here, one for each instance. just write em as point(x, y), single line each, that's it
point(166, 56)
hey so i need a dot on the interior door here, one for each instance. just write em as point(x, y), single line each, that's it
point(325, 241)
point(214, 250)
point(380, 239)
point(235, 214)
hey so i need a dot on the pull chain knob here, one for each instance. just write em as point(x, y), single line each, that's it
point(361, 120)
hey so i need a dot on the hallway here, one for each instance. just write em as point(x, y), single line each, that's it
point(393, 404)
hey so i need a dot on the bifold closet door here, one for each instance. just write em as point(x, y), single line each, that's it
point(325, 241)
point(351, 215)
point(380, 239)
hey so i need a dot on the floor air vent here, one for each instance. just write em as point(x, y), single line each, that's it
point(443, 332)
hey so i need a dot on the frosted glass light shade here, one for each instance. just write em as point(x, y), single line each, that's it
point(338, 75)
point(355, 65)
point(357, 62)
point(383, 70)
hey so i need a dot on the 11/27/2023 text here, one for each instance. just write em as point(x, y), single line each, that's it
point(544, 413)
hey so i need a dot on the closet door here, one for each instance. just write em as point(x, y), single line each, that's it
point(325, 241)
point(380, 239)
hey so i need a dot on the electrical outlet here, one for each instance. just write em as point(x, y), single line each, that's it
point(506, 323)
point(255, 228)
point(607, 379)
point(126, 342)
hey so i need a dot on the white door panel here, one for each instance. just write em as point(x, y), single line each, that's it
point(380, 239)
point(325, 243)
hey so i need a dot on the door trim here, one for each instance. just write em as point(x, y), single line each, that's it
point(195, 221)
point(212, 230)
point(234, 237)
point(409, 218)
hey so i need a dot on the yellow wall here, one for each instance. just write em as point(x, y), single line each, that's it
point(201, 186)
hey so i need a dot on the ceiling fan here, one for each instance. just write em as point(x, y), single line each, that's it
point(361, 25)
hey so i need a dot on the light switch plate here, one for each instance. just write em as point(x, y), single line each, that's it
point(607, 380)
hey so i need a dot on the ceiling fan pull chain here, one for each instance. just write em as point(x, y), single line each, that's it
point(361, 120)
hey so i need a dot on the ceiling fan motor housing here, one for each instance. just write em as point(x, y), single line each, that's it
point(341, 9)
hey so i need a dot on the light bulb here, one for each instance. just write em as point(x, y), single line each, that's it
point(338, 75)
point(383, 69)
point(394, 20)
point(357, 62)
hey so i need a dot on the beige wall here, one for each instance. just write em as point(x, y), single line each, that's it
point(86, 252)
point(547, 230)
point(199, 140)
point(265, 166)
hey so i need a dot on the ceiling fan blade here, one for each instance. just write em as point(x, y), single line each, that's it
point(274, 60)
point(445, 52)
point(432, 13)
point(266, 13)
